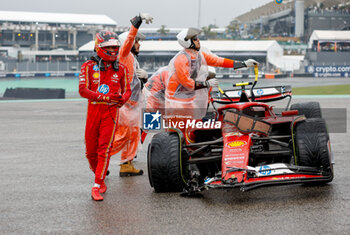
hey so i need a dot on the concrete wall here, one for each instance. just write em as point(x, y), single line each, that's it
point(328, 58)
point(12, 66)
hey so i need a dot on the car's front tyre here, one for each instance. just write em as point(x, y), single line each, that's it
point(313, 145)
point(164, 163)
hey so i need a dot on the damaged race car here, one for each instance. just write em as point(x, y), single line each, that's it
point(255, 145)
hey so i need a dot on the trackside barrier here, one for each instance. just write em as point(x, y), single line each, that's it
point(70, 74)
point(35, 93)
point(266, 76)
point(223, 76)
point(44, 74)
point(303, 75)
point(269, 76)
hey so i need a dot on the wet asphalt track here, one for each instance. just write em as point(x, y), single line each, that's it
point(45, 187)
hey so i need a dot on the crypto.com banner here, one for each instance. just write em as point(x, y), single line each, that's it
point(329, 70)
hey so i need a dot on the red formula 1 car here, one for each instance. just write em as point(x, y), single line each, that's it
point(255, 146)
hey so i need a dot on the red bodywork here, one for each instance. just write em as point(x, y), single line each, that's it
point(237, 145)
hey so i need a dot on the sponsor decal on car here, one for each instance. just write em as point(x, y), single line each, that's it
point(233, 158)
point(235, 162)
point(235, 144)
point(237, 133)
point(260, 91)
point(273, 169)
point(265, 170)
point(234, 150)
point(234, 154)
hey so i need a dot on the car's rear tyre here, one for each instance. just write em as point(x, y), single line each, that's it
point(164, 163)
point(309, 109)
point(313, 146)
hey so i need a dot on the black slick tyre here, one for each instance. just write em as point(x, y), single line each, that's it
point(164, 163)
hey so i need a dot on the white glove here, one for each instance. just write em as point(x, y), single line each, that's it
point(146, 17)
point(251, 62)
point(141, 74)
point(213, 83)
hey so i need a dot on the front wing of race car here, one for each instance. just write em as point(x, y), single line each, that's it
point(267, 175)
point(235, 169)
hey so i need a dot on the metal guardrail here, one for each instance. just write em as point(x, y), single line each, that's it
point(39, 74)
point(58, 66)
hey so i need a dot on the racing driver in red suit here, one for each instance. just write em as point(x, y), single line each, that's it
point(104, 82)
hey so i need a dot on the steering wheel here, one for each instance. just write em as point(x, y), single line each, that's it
point(243, 84)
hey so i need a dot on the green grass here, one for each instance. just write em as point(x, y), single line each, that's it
point(322, 90)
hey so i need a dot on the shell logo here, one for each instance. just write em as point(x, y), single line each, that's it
point(238, 143)
point(95, 75)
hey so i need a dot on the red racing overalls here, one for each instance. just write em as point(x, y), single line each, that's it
point(102, 117)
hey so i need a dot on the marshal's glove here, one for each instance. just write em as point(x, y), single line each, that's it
point(141, 74)
point(137, 20)
point(146, 17)
point(250, 63)
point(247, 63)
point(207, 84)
point(212, 83)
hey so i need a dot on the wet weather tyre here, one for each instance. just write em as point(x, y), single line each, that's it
point(313, 146)
point(309, 109)
point(164, 164)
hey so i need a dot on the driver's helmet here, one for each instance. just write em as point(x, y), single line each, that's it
point(107, 39)
point(184, 38)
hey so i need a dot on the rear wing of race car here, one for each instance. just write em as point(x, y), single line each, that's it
point(263, 94)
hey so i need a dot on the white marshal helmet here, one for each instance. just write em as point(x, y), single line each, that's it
point(184, 37)
point(123, 36)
